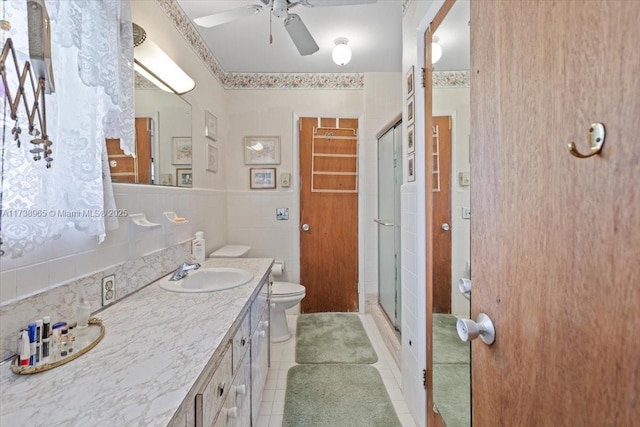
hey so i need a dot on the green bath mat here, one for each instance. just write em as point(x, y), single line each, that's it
point(333, 338)
point(337, 396)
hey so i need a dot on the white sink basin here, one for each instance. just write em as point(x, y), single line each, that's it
point(209, 279)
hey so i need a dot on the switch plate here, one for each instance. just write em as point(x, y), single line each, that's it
point(466, 213)
point(282, 214)
point(285, 179)
point(108, 289)
point(464, 179)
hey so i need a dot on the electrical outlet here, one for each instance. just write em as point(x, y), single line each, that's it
point(108, 289)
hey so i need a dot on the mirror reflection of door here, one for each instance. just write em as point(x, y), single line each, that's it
point(451, 369)
point(388, 222)
point(130, 169)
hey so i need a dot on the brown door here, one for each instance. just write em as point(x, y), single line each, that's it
point(126, 168)
point(329, 214)
point(441, 188)
point(556, 239)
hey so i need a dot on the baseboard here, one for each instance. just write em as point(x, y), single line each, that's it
point(390, 336)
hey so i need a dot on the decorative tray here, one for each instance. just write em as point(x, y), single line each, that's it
point(85, 340)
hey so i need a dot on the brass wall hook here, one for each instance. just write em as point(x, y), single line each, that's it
point(596, 139)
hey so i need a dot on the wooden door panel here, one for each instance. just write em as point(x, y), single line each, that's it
point(329, 249)
point(441, 189)
point(555, 244)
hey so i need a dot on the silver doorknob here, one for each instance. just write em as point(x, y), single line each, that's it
point(445, 227)
point(305, 227)
point(469, 330)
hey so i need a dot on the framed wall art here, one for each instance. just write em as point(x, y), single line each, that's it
point(411, 167)
point(184, 177)
point(411, 146)
point(410, 82)
point(261, 150)
point(210, 126)
point(262, 178)
point(212, 158)
point(181, 151)
point(410, 110)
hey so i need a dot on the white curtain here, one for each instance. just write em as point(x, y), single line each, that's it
point(92, 56)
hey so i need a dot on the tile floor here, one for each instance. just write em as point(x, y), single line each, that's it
point(283, 357)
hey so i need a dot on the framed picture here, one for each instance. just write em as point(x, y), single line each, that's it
point(181, 151)
point(261, 150)
point(184, 177)
point(263, 178)
point(411, 147)
point(212, 158)
point(410, 82)
point(210, 125)
point(411, 167)
point(410, 110)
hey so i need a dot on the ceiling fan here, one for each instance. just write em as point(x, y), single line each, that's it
point(298, 32)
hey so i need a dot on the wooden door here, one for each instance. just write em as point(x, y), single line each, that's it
point(441, 202)
point(127, 168)
point(555, 240)
point(329, 206)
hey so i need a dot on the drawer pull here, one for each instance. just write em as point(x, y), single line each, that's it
point(241, 389)
point(232, 412)
point(243, 341)
point(221, 389)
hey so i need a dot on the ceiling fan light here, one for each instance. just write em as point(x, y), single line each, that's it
point(341, 54)
point(436, 50)
point(280, 8)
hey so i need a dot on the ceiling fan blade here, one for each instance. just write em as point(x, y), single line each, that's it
point(323, 3)
point(301, 37)
point(227, 16)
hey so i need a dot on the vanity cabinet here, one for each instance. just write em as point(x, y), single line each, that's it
point(229, 391)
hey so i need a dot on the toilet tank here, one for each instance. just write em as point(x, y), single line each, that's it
point(231, 251)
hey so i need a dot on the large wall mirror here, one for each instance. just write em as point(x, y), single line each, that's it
point(163, 140)
point(451, 357)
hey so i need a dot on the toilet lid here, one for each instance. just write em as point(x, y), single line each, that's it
point(286, 288)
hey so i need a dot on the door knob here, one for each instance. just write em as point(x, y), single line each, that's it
point(464, 285)
point(469, 330)
point(445, 227)
point(305, 227)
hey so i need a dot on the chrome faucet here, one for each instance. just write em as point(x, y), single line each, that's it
point(181, 272)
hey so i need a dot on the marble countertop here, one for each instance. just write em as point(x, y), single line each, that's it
point(156, 345)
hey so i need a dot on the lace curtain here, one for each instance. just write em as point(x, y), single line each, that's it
point(92, 56)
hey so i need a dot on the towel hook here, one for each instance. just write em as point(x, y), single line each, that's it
point(596, 139)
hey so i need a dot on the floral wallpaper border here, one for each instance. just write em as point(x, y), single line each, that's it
point(451, 78)
point(259, 80)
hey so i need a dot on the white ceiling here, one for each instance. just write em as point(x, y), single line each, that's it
point(374, 32)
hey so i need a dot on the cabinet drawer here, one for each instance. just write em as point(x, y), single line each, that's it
point(215, 391)
point(241, 341)
point(236, 411)
point(259, 305)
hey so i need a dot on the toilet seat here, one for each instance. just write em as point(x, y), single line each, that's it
point(286, 289)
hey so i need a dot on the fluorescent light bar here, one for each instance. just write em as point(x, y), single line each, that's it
point(159, 68)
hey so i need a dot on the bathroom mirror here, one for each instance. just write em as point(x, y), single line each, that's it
point(163, 139)
point(451, 358)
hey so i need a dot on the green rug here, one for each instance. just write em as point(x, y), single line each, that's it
point(333, 338)
point(447, 345)
point(337, 396)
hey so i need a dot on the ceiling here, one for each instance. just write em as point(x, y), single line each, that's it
point(374, 32)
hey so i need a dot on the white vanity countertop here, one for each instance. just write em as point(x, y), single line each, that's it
point(156, 345)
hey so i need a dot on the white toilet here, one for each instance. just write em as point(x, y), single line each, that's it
point(284, 295)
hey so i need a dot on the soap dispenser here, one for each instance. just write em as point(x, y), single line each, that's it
point(198, 247)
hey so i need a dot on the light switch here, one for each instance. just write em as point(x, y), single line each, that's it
point(466, 213)
point(285, 179)
point(464, 179)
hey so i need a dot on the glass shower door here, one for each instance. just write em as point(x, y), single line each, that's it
point(388, 220)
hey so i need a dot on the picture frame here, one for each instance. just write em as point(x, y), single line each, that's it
point(262, 178)
point(181, 152)
point(261, 150)
point(212, 158)
point(184, 177)
point(410, 82)
point(210, 126)
point(411, 146)
point(411, 167)
point(410, 110)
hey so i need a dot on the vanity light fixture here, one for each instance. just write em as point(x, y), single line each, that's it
point(155, 65)
point(341, 53)
point(436, 50)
